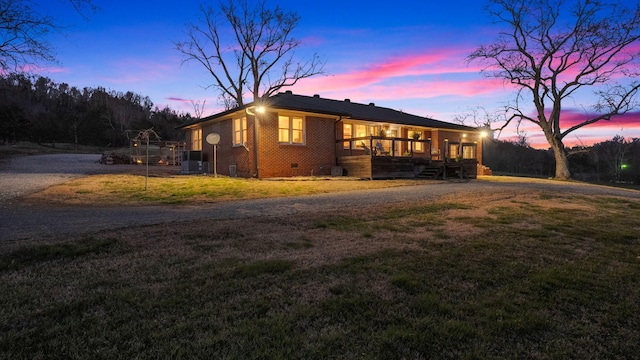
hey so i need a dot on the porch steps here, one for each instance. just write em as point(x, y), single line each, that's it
point(431, 172)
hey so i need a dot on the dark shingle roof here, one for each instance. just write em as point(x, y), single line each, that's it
point(347, 109)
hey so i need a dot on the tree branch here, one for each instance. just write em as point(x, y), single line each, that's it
point(263, 47)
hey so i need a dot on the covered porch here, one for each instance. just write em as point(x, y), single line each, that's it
point(381, 157)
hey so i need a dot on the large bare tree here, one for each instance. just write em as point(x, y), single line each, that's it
point(23, 32)
point(557, 51)
point(247, 47)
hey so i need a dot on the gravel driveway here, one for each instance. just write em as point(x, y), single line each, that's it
point(25, 175)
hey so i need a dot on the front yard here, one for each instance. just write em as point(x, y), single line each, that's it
point(124, 189)
point(500, 274)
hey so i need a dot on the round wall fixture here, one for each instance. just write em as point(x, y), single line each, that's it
point(213, 139)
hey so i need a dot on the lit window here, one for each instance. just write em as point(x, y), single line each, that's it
point(453, 150)
point(290, 129)
point(361, 131)
point(283, 129)
point(239, 131)
point(347, 130)
point(297, 130)
point(196, 139)
point(469, 151)
point(417, 146)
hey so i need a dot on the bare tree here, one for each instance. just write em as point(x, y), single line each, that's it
point(23, 31)
point(198, 107)
point(257, 54)
point(481, 118)
point(553, 50)
point(146, 135)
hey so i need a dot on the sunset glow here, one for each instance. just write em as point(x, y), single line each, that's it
point(410, 57)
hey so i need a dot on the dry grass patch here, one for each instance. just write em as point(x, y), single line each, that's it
point(130, 189)
point(483, 275)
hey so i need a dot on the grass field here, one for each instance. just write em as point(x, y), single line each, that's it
point(125, 189)
point(526, 274)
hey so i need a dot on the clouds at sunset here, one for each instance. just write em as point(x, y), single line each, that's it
point(410, 56)
point(573, 117)
point(439, 72)
point(178, 99)
point(627, 125)
point(36, 69)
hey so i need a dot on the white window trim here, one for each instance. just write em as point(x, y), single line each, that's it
point(243, 132)
point(290, 128)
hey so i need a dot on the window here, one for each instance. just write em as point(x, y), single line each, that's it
point(453, 150)
point(290, 129)
point(469, 151)
point(239, 131)
point(350, 131)
point(347, 130)
point(417, 146)
point(196, 139)
point(387, 147)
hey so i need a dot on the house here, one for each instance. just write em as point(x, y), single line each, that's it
point(295, 135)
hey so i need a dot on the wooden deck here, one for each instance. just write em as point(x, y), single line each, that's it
point(396, 167)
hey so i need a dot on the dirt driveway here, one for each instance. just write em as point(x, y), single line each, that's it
point(25, 175)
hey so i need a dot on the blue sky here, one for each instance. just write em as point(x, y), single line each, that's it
point(406, 55)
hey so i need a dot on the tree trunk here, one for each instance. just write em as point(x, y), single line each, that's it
point(562, 161)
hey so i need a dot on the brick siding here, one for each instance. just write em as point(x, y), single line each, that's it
point(315, 157)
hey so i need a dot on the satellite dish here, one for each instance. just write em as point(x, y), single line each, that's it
point(213, 139)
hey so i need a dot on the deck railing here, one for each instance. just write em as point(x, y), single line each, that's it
point(385, 146)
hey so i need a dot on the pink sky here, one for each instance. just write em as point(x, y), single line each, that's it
point(588, 135)
point(426, 78)
point(414, 61)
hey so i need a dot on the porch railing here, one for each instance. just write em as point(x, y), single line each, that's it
point(385, 146)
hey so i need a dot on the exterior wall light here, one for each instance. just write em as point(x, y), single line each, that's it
point(253, 110)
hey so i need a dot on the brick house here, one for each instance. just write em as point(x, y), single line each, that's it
point(294, 135)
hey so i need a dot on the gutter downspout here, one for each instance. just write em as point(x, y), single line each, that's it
point(255, 144)
point(335, 140)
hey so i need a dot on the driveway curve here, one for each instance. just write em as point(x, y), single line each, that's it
point(22, 176)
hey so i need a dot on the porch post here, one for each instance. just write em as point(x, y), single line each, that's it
point(371, 146)
point(446, 149)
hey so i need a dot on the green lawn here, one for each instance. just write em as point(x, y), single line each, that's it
point(472, 276)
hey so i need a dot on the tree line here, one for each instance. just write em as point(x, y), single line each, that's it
point(615, 160)
point(35, 108)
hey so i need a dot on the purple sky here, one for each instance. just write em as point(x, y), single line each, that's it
point(408, 56)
